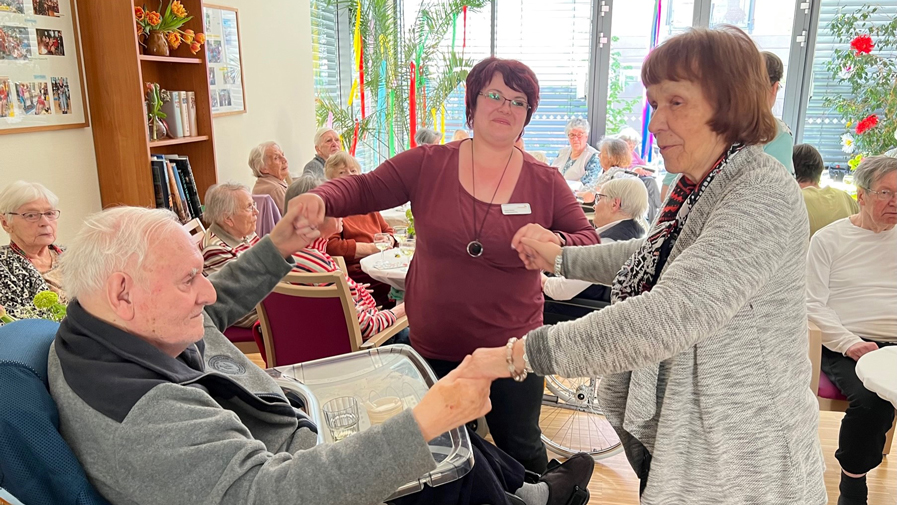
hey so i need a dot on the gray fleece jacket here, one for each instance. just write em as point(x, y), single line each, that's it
point(209, 427)
point(709, 371)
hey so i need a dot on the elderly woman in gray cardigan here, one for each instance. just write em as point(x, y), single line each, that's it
point(703, 352)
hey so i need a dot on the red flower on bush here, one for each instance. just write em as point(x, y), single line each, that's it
point(867, 124)
point(862, 44)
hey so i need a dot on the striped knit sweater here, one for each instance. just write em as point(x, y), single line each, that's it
point(709, 371)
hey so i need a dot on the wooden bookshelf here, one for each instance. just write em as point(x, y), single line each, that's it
point(116, 71)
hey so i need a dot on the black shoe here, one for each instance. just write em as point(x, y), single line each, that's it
point(568, 483)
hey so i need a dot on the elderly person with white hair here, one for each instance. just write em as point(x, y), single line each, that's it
point(29, 264)
point(852, 298)
point(619, 215)
point(272, 169)
point(231, 214)
point(147, 327)
point(427, 136)
point(579, 162)
point(633, 140)
point(326, 143)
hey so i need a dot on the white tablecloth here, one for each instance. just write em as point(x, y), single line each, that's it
point(394, 275)
point(878, 371)
point(396, 216)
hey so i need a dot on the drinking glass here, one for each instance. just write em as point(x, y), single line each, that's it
point(383, 242)
point(341, 415)
point(401, 233)
point(407, 247)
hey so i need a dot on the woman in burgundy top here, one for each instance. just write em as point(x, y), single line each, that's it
point(466, 287)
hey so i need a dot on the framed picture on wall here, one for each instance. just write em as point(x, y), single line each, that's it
point(224, 60)
point(41, 81)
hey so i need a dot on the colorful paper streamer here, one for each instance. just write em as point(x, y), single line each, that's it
point(354, 139)
point(412, 107)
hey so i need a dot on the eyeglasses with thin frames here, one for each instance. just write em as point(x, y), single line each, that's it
point(495, 96)
point(884, 194)
point(572, 135)
point(33, 217)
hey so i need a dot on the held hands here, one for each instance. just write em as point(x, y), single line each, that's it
point(537, 247)
point(856, 351)
point(454, 400)
point(294, 231)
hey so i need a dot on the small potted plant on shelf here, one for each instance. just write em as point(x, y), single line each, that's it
point(155, 97)
point(163, 31)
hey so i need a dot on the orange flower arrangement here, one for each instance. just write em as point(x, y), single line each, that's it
point(169, 23)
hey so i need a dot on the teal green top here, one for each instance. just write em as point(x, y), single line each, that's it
point(782, 147)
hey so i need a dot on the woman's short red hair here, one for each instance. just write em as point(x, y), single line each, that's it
point(517, 76)
point(727, 65)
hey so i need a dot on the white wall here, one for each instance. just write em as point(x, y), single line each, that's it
point(279, 84)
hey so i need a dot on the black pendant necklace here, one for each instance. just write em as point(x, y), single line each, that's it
point(475, 247)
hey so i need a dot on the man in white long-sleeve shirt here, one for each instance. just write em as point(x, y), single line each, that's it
point(852, 298)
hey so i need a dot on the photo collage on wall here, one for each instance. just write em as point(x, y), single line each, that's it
point(40, 73)
point(223, 57)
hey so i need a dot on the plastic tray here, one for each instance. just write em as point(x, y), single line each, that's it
point(395, 370)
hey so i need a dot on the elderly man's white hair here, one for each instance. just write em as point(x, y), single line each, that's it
point(221, 201)
point(257, 157)
point(577, 123)
point(426, 136)
point(110, 241)
point(632, 194)
point(20, 192)
point(873, 168)
point(320, 133)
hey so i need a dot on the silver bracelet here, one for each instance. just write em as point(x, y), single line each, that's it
point(509, 358)
point(558, 263)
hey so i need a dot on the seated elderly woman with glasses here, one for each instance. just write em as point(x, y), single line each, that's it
point(231, 214)
point(579, 162)
point(29, 264)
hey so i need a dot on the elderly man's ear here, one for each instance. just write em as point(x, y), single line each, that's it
point(119, 291)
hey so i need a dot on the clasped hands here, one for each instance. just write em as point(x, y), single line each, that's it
point(462, 395)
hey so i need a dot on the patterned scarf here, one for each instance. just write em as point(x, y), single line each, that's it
point(640, 273)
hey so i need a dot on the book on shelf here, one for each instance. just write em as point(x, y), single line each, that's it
point(191, 110)
point(175, 186)
point(185, 172)
point(160, 184)
point(185, 114)
point(173, 115)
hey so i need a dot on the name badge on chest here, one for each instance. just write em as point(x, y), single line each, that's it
point(516, 209)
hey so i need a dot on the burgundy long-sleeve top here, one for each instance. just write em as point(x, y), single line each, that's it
point(456, 303)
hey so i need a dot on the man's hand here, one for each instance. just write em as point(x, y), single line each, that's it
point(294, 232)
point(399, 310)
point(536, 247)
point(856, 351)
point(452, 401)
point(365, 249)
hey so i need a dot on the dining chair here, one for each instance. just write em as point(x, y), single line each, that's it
point(829, 396)
point(196, 231)
point(310, 316)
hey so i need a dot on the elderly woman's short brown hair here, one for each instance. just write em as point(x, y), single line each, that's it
point(339, 160)
point(731, 72)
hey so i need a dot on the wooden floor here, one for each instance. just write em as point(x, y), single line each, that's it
point(614, 483)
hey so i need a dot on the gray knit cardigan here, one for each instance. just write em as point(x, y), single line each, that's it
point(708, 372)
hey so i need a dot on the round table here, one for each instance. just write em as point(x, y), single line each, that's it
point(394, 274)
point(878, 371)
point(395, 217)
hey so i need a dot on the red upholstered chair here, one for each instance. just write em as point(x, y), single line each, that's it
point(316, 319)
point(242, 339)
point(829, 396)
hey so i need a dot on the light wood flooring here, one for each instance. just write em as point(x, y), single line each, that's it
point(614, 483)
